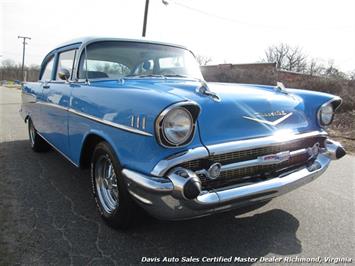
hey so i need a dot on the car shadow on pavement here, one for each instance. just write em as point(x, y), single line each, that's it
point(48, 215)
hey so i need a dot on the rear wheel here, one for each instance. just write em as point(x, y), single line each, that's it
point(38, 144)
point(111, 195)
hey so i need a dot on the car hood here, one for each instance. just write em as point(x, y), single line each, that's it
point(245, 111)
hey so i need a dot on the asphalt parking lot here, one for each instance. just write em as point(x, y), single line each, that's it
point(48, 215)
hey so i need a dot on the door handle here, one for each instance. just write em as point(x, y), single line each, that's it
point(46, 86)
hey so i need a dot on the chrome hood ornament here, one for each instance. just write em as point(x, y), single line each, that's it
point(203, 89)
point(281, 87)
point(272, 114)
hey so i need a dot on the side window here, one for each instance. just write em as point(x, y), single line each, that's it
point(104, 69)
point(66, 60)
point(47, 72)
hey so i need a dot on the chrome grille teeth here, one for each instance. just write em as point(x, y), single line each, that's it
point(235, 176)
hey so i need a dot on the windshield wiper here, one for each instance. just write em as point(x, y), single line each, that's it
point(145, 76)
point(176, 76)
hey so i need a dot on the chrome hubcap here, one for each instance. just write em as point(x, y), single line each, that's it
point(32, 134)
point(106, 183)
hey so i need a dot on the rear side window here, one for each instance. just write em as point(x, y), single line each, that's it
point(66, 60)
point(47, 72)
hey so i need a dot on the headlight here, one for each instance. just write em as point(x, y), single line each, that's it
point(326, 114)
point(177, 126)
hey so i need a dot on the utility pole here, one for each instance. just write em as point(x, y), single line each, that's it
point(165, 2)
point(23, 54)
point(145, 17)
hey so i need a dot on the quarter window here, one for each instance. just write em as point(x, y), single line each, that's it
point(66, 60)
point(47, 73)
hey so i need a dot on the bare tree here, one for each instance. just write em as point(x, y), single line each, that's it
point(315, 68)
point(203, 60)
point(351, 75)
point(333, 72)
point(9, 70)
point(286, 57)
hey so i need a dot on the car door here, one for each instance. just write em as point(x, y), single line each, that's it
point(56, 98)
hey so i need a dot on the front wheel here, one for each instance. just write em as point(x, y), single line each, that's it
point(111, 195)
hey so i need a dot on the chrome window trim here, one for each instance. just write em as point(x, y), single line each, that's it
point(161, 116)
point(100, 120)
point(203, 152)
point(334, 99)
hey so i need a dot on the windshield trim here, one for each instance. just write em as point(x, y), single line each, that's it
point(82, 49)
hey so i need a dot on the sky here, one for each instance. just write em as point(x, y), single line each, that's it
point(228, 31)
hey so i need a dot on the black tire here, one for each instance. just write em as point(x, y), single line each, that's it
point(38, 144)
point(113, 202)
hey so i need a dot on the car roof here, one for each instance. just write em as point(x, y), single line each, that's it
point(83, 41)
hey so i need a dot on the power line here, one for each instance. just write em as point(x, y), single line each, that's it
point(23, 54)
point(258, 25)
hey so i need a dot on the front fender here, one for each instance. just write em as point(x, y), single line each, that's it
point(117, 105)
point(313, 100)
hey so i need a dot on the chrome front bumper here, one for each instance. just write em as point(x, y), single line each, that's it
point(163, 197)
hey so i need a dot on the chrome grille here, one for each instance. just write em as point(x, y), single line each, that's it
point(261, 171)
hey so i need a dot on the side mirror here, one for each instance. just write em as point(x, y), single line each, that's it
point(64, 74)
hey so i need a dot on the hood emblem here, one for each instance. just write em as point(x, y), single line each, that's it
point(271, 123)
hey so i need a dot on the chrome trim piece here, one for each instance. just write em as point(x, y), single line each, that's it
point(102, 121)
point(54, 105)
point(258, 161)
point(201, 152)
point(169, 205)
point(54, 147)
point(281, 87)
point(179, 177)
point(204, 90)
point(240, 145)
point(138, 123)
point(332, 148)
point(334, 99)
point(275, 186)
point(132, 120)
point(271, 123)
point(109, 123)
point(143, 122)
point(164, 165)
point(155, 184)
point(161, 116)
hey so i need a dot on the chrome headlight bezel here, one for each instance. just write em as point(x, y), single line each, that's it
point(328, 108)
point(191, 110)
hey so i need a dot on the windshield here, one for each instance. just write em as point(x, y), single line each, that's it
point(119, 59)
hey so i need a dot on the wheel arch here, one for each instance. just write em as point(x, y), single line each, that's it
point(89, 143)
point(27, 117)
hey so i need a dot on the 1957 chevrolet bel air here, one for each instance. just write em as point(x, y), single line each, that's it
point(155, 134)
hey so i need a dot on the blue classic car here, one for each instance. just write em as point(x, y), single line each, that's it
point(154, 134)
